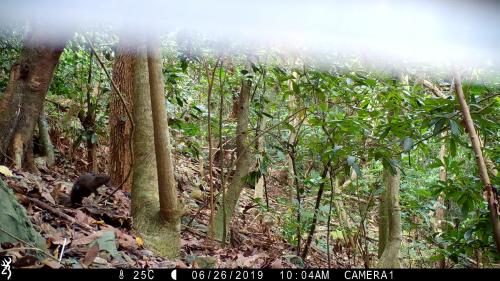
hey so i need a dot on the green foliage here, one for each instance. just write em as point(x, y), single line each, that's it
point(357, 119)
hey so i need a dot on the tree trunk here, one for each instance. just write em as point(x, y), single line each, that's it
point(242, 163)
point(170, 211)
point(441, 212)
point(489, 194)
point(316, 211)
point(147, 220)
point(24, 96)
point(259, 186)
point(120, 127)
point(342, 214)
point(390, 255)
point(48, 148)
point(383, 222)
point(291, 139)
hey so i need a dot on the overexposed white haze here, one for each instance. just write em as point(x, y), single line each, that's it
point(421, 32)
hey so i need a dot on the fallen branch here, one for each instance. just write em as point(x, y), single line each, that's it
point(57, 212)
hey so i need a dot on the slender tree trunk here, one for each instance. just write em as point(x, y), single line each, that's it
point(383, 222)
point(342, 214)
point(391, 179)
point(441, 211)
point(120, 127)
point(210, 79)
point(166, 181)
point(291, 139)
point(260, 186)
point(24, 96)
point(390, 255)
point(222, 157)
point(145, 197)
point(88, 122)
point(242, 163)
point(316, 211)
point(489, 194)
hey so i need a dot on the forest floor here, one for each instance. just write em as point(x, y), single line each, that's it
point(100, 235)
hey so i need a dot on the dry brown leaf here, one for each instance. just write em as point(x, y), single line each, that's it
point(90, 255)
point(81, 217)
point(181, 264)
point(87, 239)
point(46, 195)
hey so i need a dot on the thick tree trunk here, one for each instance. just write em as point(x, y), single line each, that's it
point(390, 255)
point(242, 163)
point(489, 194)
point(24, 97)
point(120, 127)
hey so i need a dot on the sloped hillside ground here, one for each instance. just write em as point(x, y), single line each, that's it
point(100, 235)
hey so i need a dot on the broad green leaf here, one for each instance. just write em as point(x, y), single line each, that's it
point(455, 129)
point(351, 161)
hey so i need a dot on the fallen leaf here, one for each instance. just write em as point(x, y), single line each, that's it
point(5, 171)
point(87, 239)
point(139, 241)
point(90, 255)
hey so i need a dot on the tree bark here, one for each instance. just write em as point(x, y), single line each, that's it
point(145, 198)
point(120, 127)
point(390, 255)
point(170, 211)
point(24, 96)
point(441, 212)
point(316, 211)
point(48, 148)
point(242, 163)
point(489, 194)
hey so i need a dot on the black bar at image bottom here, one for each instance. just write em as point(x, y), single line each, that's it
point(246, 274)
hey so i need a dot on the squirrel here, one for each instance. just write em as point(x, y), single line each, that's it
point(87, 184)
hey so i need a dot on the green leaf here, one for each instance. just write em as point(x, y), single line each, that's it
point(439, 126)
point(455, 129)
point(290, 127)
point(386, 132)
point(453, 147)
point(184, 62)
point(351, 161)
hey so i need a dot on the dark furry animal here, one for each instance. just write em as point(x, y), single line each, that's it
point(86, 185)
